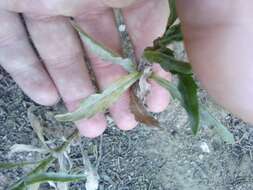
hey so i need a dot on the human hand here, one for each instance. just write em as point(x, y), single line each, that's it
point(219, 42)
point(62, 71)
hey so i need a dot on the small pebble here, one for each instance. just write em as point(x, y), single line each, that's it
point(122, 28)
point(204, 147)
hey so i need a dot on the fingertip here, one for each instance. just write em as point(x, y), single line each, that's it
point(92, 127)
point(45, 94)
point(159, 97)
point(127, 122)
point(122, 114)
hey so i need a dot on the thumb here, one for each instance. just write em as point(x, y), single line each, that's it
point(118, 3)
point(220, 50)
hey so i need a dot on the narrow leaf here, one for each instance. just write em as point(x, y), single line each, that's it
point(166, 51)
point(173, 12)
point(174, 92)
point(15, 165)
point(100, 102)
point(206, 116)
point(173, 34)
point(27, 148)
point(54, 177)
point(41, 167)
point(188, 89)
point(186, 94)
point(218, 127)
point(140, 112)
point(104, 53)
point(168, 62)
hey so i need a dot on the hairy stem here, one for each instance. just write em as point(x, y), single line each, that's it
point(126, 42)
point(140, 90)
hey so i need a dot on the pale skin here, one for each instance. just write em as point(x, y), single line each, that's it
point(218, 38)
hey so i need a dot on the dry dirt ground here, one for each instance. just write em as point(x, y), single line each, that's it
point(141, 159)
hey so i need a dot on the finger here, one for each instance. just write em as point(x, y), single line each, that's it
point(146, 23)
point(53, 7)
point(103, 30)
point(59, 47)
point(19, 59)
point(159, 97)
point(119, 3)
point(219, 42)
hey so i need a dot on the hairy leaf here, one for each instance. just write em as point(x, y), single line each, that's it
point(168, 62)
point(104, 53)
point(188, 89)
point(140, 112)
point(218, 127)
point(173, 12)
point(27, 148)
point(100, 102)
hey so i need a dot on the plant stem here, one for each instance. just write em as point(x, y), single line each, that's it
point(140, 90)
point(126, 43)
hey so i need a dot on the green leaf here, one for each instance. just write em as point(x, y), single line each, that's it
point(173, 34)
point(218, 127)
point(173, 12)
point(55, 177)
point(188, 89)
point(104, 53)
point(205, 115)
point(166, 51)
point(49, 176)
point(41, 167)
point(100, 102)
point(15, 165)
point(186, 94)
point(174, 92)
point(168, 62)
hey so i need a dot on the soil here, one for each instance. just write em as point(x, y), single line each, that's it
point(141, 159)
